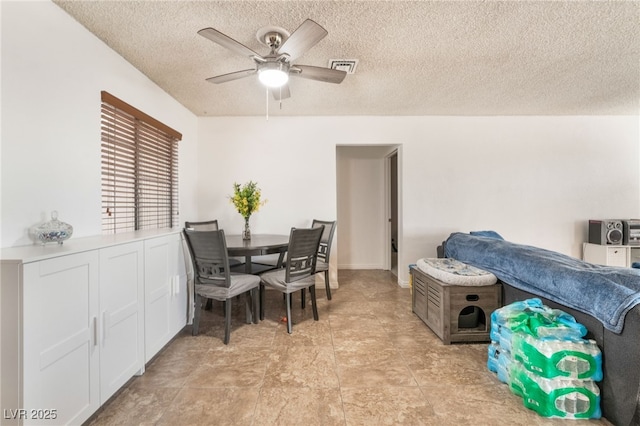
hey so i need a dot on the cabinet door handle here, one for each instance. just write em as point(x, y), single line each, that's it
point(95, 331)
point(175, 284)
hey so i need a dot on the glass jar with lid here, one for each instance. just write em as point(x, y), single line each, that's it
point(53, 231)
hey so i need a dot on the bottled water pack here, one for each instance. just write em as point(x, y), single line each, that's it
point(541, 354)
point(559, 397)
point(532, 317)
point(549, 358)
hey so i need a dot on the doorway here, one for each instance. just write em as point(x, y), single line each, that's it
point(368, 210)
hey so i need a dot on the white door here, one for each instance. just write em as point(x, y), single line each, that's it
point(61, 354)
point(121, 316)
point(165, 292)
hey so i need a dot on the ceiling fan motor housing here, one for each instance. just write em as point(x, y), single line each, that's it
point(273, 40)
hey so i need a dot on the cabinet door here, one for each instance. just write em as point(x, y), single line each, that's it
point(165, 292)
point(618, 256)
point(61, 356)
point(121, 316)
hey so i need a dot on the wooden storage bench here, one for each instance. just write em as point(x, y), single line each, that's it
point(455, 313)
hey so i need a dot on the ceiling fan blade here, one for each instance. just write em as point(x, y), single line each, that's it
point(280, 93)
point(303, 38)
point(226, 41)
point(223, 78)
point(326, 75)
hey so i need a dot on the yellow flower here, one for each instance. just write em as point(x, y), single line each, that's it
point(246, 198)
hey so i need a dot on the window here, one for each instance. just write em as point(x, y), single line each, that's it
point(139, 169)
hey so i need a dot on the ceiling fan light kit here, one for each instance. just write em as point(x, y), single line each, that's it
point(273, 74)
point(275, 68)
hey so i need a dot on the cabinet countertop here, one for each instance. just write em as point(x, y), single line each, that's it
point(38, 252)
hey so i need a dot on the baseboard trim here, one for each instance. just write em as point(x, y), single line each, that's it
point(359, 266)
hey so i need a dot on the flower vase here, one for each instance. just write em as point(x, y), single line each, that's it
point(246, 232)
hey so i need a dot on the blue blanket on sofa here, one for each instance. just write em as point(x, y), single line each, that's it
point(607, 293)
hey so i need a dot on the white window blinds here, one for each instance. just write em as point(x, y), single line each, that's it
point(139, 169)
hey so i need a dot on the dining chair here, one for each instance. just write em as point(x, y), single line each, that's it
point(324, 250)
point(214, 280)
point(212, 225)
point(299, 271)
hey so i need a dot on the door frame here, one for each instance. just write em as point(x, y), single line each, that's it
point(387, 201)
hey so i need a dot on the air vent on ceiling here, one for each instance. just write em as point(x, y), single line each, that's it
point(348, 65)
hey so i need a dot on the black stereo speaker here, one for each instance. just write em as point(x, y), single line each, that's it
point(608, 231)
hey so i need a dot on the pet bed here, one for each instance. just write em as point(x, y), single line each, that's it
point(454, 272)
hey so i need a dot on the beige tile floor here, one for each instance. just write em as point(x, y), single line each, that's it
point(368, 361)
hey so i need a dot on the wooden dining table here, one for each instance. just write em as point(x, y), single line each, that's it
point(258, 245)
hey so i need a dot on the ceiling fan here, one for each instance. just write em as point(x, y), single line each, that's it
point(275, 68)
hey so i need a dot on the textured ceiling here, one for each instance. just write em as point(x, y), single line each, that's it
point(416, 58)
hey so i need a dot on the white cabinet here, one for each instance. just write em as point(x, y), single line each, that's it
point(121, 320)
point(165, 292)
point(72, 321)
point(60, 347)
point(607, 254)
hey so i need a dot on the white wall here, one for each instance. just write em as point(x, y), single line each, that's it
point(53, 70)
point(536, 180)
point(297, 175)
